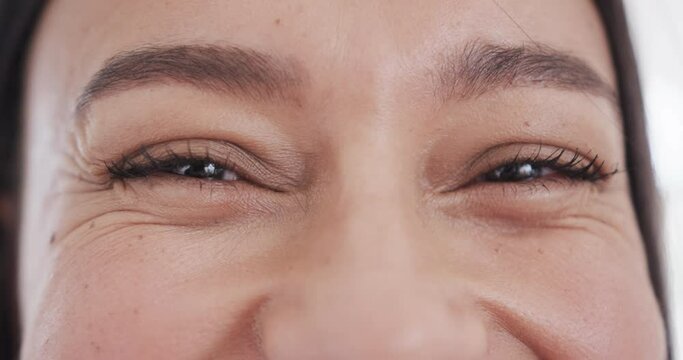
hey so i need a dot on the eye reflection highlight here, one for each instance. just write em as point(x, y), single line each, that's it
point(203, 170)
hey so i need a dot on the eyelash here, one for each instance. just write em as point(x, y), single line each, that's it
point(569, 164)
point(146, 164)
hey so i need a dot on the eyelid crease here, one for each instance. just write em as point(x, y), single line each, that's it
point(149, 159)
point(576, 164)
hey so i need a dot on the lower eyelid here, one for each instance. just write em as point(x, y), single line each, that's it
point(548, 183)
point(192, 198)
point(530, 202)
point(165, 178)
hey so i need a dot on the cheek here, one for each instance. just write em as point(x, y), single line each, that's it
point(144, 295)
point(571, 295)
point(158, 291)
point(568, 280)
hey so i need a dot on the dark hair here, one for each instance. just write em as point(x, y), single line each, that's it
point(17, 22)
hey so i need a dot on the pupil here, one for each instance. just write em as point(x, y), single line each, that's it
point(514, 172)
point(199, 170)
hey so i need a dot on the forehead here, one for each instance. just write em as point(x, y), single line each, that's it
point(332, 39)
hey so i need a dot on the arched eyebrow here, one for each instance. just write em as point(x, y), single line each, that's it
point(481, 67)
point(239, 71)
point(475, 69)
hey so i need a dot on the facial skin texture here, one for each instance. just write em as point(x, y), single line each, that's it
point(365, 229)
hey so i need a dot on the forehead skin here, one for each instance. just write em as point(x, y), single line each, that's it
point(368, 40)
point(366, 104)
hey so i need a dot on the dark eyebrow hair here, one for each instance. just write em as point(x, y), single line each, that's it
point(239, 71)
point(482, 67)
point(477, 68)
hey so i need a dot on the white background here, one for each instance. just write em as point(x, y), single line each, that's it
point(657, 31)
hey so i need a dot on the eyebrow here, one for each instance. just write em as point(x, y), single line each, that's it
point(235, 70)
point(481, 67)
point(474, 70)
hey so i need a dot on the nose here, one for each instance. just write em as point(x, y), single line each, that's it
point(364, 294)
point(366, 319)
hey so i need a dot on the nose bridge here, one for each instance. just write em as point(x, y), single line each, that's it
point(358, 293)
point(368, 231)
point(368, 239)
point(373, 218)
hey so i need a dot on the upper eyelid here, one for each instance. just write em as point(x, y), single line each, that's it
point(226, 154)
point(153, 164)
point(505, 153)
point(574, 167)
point(555, 160)
point(534, 152)
point(144, 160)
point(214, 150)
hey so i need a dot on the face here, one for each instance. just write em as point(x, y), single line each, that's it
point(328, 180)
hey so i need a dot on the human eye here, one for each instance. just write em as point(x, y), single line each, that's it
point(215, 163)
point(174, 164)
point(514, 172)
point(560, 164)
point(529, 183)
point(176, 178)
